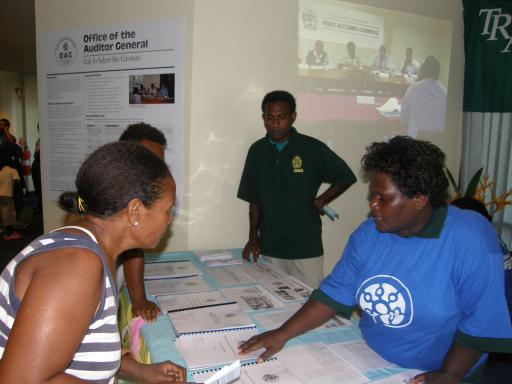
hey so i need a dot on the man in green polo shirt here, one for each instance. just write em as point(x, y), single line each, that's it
point(282, 174)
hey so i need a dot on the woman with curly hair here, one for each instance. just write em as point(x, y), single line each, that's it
point(58, 298)
point(428, 278)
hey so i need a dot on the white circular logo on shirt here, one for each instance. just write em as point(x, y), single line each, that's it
point(386, 300)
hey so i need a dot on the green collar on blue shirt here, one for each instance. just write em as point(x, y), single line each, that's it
point(435, 224)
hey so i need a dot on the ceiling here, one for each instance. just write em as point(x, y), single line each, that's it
point(17, 36)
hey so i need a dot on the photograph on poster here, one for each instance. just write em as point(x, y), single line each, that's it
point(357, 62)
point(151, 89)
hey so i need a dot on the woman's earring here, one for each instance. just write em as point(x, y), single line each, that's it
point(136, 223)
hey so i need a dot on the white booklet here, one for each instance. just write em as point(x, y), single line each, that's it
point(288, 289)
point(209, 318)
point(211, 349)
point(252, 298)
point(170, 269)
point(184, 284)
point(187, 300)
point(270, 371)
point(213, 254)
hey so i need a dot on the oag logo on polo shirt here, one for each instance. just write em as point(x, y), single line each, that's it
point(386, 300)
point(297, 164)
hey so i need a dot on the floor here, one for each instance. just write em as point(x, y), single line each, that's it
point(8, 249)
point(497, 371)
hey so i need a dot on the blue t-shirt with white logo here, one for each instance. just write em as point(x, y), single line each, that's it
point(416, 293)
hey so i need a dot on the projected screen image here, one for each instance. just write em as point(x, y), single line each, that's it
point(358, 62)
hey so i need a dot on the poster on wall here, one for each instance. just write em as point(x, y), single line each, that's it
point(95, 82)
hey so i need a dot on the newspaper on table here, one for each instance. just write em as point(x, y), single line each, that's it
point(252, 298)
point(288, 288)
point(360, 355)
point(316, 364)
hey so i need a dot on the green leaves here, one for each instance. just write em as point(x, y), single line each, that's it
point(473, 183)
point(472, 186)
point(452, 182)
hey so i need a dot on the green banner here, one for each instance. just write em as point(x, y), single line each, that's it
point(488, 51)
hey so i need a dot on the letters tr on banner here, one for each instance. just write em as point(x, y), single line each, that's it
point(488, 51)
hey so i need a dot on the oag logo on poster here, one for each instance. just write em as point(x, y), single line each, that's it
point(65, 51)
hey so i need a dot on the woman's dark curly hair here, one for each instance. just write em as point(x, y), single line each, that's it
point(416, 167)
point(113, 175)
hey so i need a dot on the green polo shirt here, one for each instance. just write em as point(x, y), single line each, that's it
point(431, 231)
point(284, 184)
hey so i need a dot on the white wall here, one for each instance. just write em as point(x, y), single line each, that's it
point(235, 52)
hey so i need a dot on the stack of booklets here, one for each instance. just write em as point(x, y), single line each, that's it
point(176, 285)
point(170, 270)
point(187, 300)
point(209, 318)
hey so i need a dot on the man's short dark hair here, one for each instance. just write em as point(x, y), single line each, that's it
point(284, 96)
point(431, 68)
point(416, 167)
point(142, 131)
